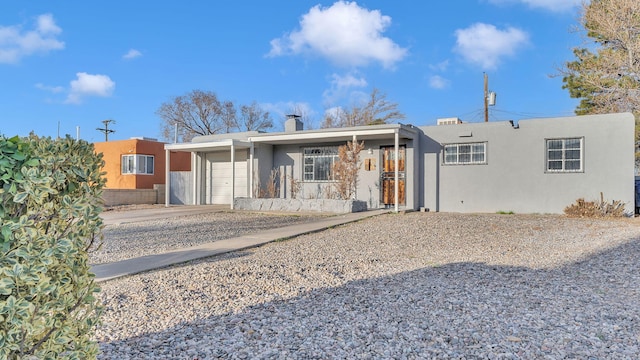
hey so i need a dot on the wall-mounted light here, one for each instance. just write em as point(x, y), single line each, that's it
point(370, 151)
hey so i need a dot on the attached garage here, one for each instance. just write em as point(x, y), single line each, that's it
point(218, 177)
point(220, 171)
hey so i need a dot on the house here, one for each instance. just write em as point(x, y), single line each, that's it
point(136, 164)
point(534, 166)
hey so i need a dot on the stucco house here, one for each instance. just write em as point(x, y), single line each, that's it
point(135, 170)
point(534, 166)
point(137, 163)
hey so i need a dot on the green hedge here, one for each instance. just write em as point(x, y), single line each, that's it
point(50, 201)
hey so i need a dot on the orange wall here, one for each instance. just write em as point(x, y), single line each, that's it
point(112, 155)
point(180, 161)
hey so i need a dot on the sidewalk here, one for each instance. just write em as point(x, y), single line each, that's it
point(145, 263)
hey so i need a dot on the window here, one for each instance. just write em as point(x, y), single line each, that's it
point(318, 163)
point(459, 154)
point(564, 155)
point(137, 164)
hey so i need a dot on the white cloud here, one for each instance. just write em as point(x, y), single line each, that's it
point(347, 81)
point(345, 33)
point(438, 82)
point(551, 5)
point(283, 108)
point(89, 85)
point(485, 45)
point(341, 88)
point(46, 25)
point(16, 43)
point(333, 111)
point(132, 54)
point(441, 66)
point(51, 89)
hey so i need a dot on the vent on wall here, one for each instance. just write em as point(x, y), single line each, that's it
point(449, 121)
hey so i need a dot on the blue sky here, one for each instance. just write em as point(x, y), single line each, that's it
point(76, 63)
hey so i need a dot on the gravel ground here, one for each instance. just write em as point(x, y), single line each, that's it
point(125, 241)
point(409, 286)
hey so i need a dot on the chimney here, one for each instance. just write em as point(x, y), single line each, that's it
point(293, 123)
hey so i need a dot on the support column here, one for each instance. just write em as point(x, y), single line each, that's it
point(396, 166)
point(233, 173)
point(167, 178)
point(194, 178)
point(251, 153)
point(355, 190)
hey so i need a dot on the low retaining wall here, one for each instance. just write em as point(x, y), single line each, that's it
point(293, 205)
point(113, 197)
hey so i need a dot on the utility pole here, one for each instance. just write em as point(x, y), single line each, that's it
point(486, 98)
point(106, 131)
point(489, 98)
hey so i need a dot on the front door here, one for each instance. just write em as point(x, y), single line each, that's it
point(387, 177)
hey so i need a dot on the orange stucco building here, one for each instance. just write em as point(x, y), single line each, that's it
point(138, 163)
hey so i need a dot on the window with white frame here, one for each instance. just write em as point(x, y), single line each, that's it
point(318, 162)
point(461, 154)
point(564, 155)
point(137, 164)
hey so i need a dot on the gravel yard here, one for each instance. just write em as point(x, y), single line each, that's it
point(129, 240)
point(416, 285)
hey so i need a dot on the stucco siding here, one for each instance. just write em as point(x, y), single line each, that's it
point(515, 176)
point(288, 159)
point(262, 165)
point(112, 155)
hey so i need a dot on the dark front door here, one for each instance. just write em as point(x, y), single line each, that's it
point(387, 177)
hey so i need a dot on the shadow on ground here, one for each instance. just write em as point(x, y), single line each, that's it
point(588, 309)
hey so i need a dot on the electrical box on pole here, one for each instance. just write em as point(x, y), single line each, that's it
point(489, 98)
point(105, 130)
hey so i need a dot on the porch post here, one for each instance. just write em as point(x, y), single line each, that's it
point(233, 173)
point(251, 150)
point(355, 190)
point(396, 184)
point(194, 178)
point(167, 177)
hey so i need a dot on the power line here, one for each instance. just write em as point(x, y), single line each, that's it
point(106, 131)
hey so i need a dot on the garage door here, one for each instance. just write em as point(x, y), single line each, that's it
point(218, 177)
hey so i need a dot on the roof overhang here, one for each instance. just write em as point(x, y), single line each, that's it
point(346, 134)
point(375, 132)
point(209, 146)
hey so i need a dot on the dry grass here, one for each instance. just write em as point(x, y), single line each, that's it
point(595, 209)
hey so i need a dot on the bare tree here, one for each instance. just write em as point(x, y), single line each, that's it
point(305, 116)
point(377, 110)
point(196, 113)
point(229, 116)
point(606, 77)
point(254, 118)
point(380, 111)
point(341, 117)
point(345, 170)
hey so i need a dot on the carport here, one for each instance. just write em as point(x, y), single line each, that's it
point(214, 179)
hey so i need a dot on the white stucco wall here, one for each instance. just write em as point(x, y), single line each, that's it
point(288, 159)
point(515, 176)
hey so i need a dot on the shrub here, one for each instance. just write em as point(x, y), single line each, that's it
point(345, 170)
point(295, 186)
point(50, 200)
point(593, 209)
point(273, 186)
